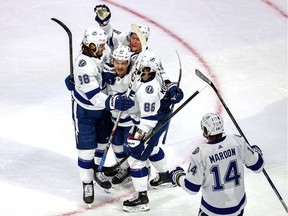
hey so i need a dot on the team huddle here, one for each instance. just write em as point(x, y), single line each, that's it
point(120, 85)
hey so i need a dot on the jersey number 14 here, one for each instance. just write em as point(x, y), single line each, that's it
point(231, 175)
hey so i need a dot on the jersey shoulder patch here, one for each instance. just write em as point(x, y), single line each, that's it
point(149, 89)
point(82, 63)
point(196, 151)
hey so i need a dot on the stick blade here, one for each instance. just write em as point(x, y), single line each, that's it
point(203, 77)
point(140, 36)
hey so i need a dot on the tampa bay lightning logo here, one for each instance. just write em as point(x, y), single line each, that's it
point(82, 63)
point(196, 151)
point(149, 89)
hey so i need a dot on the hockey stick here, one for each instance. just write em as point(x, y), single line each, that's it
point(209, 82)
point(172, 107)
point(133, 77)
point(70, 44)
point(152, 133)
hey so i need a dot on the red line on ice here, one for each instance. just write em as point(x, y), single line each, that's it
point(275, 7)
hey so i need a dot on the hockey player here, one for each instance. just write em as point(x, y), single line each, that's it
point(120, 66)
point(174, 94)
point(147, 98)
point(89, 109)
point(218, 167)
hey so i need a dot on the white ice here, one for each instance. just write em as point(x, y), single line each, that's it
point(241, 45)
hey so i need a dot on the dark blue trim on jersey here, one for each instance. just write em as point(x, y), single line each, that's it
point(152, 118)
point(81, 99)
point(138, 173)
point(135, 122)
point(85, 164)
point(224, 211)
point(217, 141)
point(92, 93)
point(192, 187)
point(124, 120)
point(257, 165)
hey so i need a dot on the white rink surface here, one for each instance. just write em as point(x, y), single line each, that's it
point(241, 45)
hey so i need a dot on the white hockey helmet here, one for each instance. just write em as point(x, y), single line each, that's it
point(122, 53)
point(213, 124)
point(94, 35)
point(144, 29)
point(150, 60)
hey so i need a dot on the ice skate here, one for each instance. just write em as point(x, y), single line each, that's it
point(102, 181)
point(88, 192)
point(138, 203)
point(122, 176)
point(161, 180)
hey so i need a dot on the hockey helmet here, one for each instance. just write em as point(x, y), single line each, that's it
point(150, 60)
point(94, 35)
point(212, 124)
point(144, 29)
point(122, 53)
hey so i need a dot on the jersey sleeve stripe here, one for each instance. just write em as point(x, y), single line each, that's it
point(257, 165)
point(81, 99)
point(92, 93)
point(192, 187)
point(151, 117)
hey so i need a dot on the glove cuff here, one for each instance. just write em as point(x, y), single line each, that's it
point(178, 175)
point(110, 102)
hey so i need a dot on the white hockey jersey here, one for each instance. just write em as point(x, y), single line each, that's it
point(88, 82)
point(122, 38)
point(219, 168)
point(119, 88)
point(147, 95)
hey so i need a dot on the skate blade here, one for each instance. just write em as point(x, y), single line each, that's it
point(139, 208)
point(164, 185)
point(103, 189)
point(128, 179)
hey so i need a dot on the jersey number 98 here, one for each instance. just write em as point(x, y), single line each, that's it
point(84, 79)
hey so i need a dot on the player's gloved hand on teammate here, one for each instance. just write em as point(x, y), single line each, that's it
point(119, 102)
point(109, 77)
point(103, 14)
point(176, 174)
point(136, 146)
point(175, 93)
point(70, 83)
point(257, 149)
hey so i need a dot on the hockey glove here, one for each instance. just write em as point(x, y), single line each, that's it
point(175, 93)
point(109, 74)
point(176, 174)
point(118, 102)
point(103, 14)
point(70, 83)
point(257, 149)
point(136, 146)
